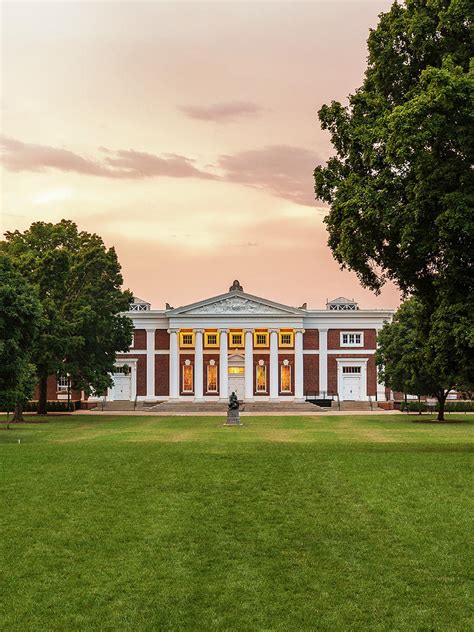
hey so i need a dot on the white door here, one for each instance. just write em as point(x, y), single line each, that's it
point(122, 387)
point(237, 385)
point(351, 388)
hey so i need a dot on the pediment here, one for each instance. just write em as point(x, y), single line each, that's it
point(236, 303)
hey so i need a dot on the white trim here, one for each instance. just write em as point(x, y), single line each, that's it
point(285, 366)
point(351, 344)
point(362, 362)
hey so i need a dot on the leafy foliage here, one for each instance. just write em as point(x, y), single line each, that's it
point(420, 352)
point(78, 281)
point(20, 319)
point(401, 185)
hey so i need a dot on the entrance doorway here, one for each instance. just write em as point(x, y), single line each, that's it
point(351, 383)
point(122, 387)
point(237, 375)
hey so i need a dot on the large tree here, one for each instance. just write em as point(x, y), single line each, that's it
point(421, 353)
point(78, 281)
point(20, 321)
point(400, 186)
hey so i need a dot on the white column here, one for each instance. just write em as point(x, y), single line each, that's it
point(380, 387)
point(274, 364)
point(323, 361)
point(248, 364)
point(299, 379)
point(174, 364)
point(150, 363)
point(198, 365)
point(223, 364)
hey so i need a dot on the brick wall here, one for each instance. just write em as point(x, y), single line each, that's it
point(311, 339)
point(139, 339)
point(162, 340)
point(311, 373)
point(334, 338)
point(162, 375)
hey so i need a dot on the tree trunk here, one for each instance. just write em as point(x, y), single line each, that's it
point(18, 413)
point(43, 395)
point(441, 402)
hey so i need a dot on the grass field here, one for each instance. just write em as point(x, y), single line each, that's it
point(287, 523)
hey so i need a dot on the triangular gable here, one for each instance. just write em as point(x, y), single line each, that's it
point(235, 302)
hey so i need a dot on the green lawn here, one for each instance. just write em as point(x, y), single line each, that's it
point(287, 523)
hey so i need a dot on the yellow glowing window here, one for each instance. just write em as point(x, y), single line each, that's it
point(211, 339)
point(236, 370)
point(285, 379)
point(186, 339)
point(286, 338)
point(260, 339)
point(261, 378)
point(236, 339)
point(212, 378)
point(187, 378)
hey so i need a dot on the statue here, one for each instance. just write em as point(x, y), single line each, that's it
point(233, 414)
point(236, 287)
point(233, 401)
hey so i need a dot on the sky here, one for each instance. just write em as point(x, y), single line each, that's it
point(185, 134)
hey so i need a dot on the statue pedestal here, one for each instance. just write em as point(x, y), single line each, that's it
point(233, 418)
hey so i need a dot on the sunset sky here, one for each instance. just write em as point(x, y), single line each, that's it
point(186, 135)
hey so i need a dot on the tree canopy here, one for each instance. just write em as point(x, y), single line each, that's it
point(20, 321)
point(401, 186)
point(421, 353)
point(78, 281)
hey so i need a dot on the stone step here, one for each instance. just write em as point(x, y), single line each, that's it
point(356, 405)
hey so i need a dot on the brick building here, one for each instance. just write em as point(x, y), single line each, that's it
point(265, 351)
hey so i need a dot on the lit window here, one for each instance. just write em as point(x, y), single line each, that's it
point(261, 378)
point(212, 378)
point(236, 339)
point(211, 339)
point(186, 339)
point(286, 338)
point(187, 378)
point(260, 339)
point(236, 370)
point(285, 378)
point(352, 339)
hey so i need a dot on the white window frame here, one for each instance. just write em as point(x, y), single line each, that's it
point(212, 390)
point(351, 344)
point(62, 388)
point(189, 366)
point(257, 389)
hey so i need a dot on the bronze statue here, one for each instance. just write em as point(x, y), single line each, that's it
point(233, 401)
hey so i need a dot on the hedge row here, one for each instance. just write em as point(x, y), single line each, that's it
point(52, 407)
point(450, 407)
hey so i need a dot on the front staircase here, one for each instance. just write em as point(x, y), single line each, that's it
point(357, 405)
point(247, 407)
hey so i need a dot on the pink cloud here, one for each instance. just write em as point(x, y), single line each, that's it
point(282, 170)
point(222, 112)
point(19, 156)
